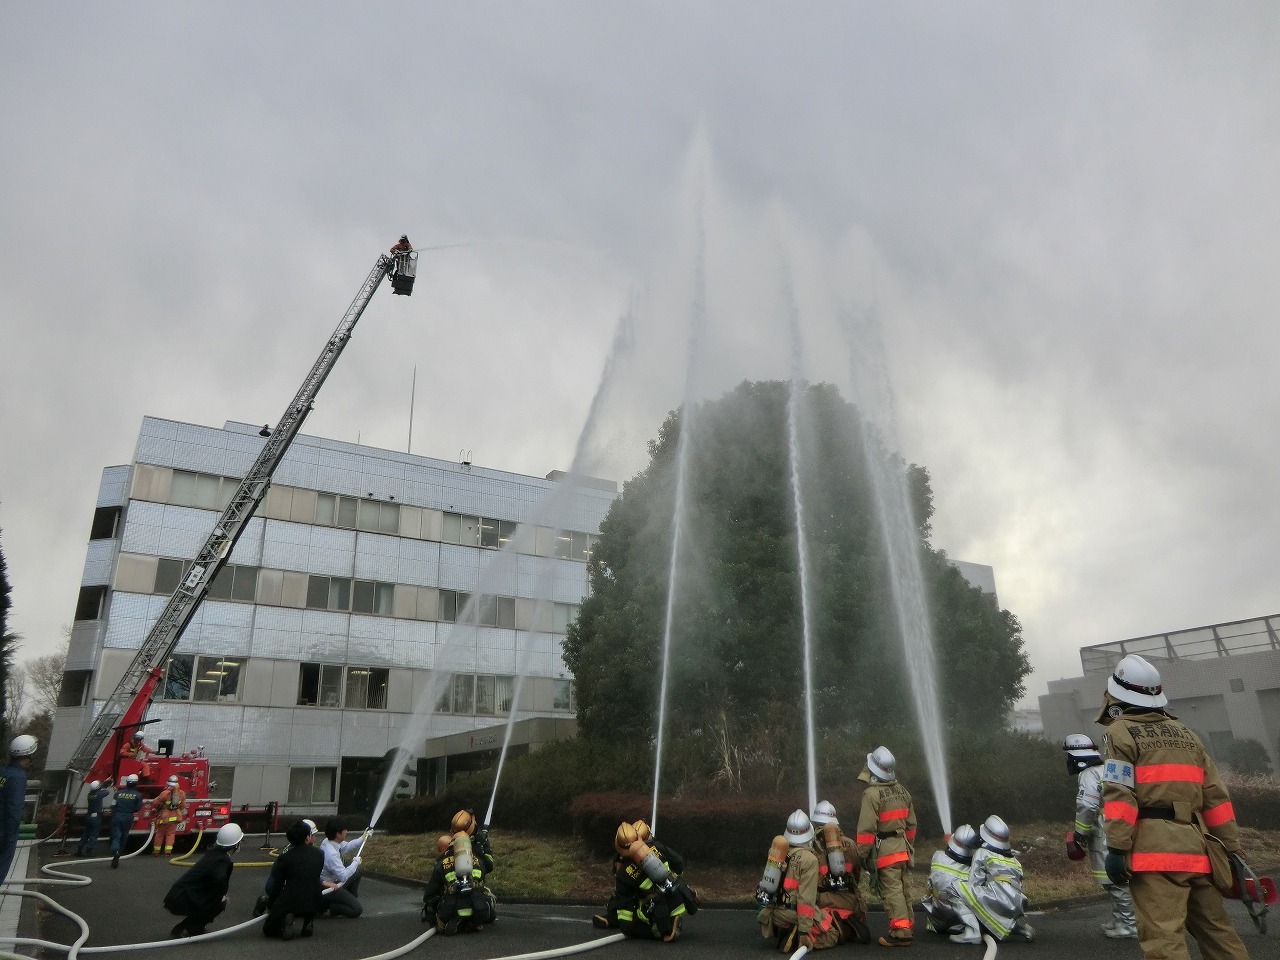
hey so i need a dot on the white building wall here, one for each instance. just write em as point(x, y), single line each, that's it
point(264, 732)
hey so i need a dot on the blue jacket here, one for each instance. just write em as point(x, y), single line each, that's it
point(128, 803)
point(95, 801)
point(13, 794)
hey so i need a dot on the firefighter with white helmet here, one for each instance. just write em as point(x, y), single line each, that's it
point(886, 841)
point(96, 793)
point(1084, 762)
point(13, 796)
point(943, 903)
point(168, 809)
point(1164, 802)
point(993, 891)
point(200, 894)
point(128, 801)
point(790, 913)
point(839, 871)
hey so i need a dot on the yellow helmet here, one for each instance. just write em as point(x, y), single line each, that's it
point(624, 838)
point(643, 831)
point(463, 822)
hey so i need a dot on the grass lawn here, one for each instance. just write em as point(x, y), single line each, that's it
point(530, 865)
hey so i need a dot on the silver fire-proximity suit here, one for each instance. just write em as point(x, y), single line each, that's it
point(1090, 834)
point(993, 891)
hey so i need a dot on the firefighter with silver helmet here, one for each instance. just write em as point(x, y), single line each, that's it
point(200, 894)
point(993, 891)
point(1088, 835)
point(839, 871)
point(13, 796)
point(886, 841)
point(1164, 803)
point(943, 903)
point(788, 894)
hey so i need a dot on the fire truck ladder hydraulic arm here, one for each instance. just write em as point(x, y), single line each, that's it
point(142, 675)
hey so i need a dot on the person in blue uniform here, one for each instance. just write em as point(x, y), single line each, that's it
point(13, 794)
point(127, 804)
point(92, 819)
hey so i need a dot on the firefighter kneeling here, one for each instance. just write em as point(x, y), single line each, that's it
point(649, 898)
point(788, 893)
point(456, 898)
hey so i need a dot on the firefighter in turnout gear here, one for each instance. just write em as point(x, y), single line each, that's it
point(1162, 799)
point(169, 808)
point(788, 894)
point(993, 891)
point(944, 904)
point(886, 841)
point(649, 901)
point(839, 871)
point(1088, 833)
point(135, 748)
point(456, 897)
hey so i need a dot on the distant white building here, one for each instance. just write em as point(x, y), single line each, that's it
point(1222, 680)
point(303, 666)
point(979, 575)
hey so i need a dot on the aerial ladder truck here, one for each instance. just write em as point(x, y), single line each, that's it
point(99, 755)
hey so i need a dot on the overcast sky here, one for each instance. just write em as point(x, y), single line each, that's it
point(1064, 215)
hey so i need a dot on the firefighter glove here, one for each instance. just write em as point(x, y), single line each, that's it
point(1117, 872)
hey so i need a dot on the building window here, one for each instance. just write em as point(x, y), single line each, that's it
point(1237, 685)
point(378, 517)
point(328, 593)
point(562, 695)
point(204, 679)
point(312, 784)
point(90, 603)
point(452, 604)
point(222, 782)
point(319, 685)
point(370, 596)
point(366, 688)
point(106, 520)
point(170, 573)
point(505, 694)
point(194, 490)
point(74, 691)
point(231, 583)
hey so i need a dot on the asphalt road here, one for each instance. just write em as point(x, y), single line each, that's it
point(124, 906)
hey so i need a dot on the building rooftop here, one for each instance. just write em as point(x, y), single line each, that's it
point(1198, 643)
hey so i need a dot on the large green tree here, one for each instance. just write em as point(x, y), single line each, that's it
point(736, 680)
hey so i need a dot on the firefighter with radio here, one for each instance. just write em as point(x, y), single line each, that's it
point(1165, 803)
point(168, 809)
point(456, 898)
point(886, 842)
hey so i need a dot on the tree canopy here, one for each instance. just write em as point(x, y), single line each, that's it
point(736, 680)
point(8, 642)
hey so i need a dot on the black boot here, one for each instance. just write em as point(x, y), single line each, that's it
point(115, 861)
point(179, 930)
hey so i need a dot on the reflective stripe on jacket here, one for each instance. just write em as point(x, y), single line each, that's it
point(1158, 777)
point(886, 809)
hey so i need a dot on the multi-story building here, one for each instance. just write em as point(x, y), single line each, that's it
point(337, 616)
point(1222, 680)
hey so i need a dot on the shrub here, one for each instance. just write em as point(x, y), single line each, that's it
point(1247, 757)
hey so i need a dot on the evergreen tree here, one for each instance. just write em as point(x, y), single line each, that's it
point(736, 680)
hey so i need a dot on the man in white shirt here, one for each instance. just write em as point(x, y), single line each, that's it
point(343, 901)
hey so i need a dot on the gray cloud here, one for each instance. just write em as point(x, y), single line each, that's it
point(1066, 216)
